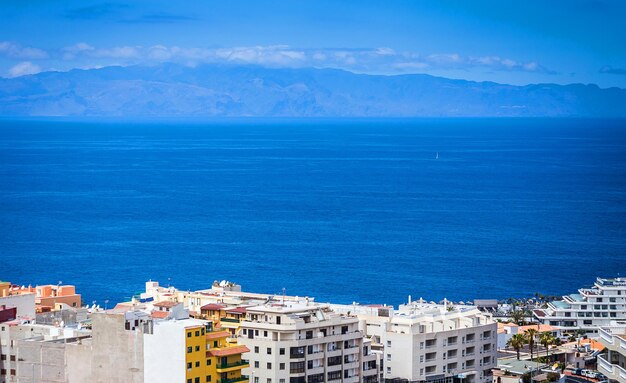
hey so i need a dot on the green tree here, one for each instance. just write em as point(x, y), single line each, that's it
point(516, 342)
point(517, 316)
point(530, 339)
point(546, 339)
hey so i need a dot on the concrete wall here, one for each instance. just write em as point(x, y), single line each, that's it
point(114, 355)
point(41, 362)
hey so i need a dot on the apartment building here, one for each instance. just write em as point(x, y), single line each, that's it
point(589, 309)
point(191, 351)
point(427, 342)
point(613, 362)
point(298, 342)
point(29, 351)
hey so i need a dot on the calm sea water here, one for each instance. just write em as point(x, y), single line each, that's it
point(339, 210)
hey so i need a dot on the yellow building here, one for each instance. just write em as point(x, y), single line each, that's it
point(195, 358)
point(227, 318)
point(224, 359)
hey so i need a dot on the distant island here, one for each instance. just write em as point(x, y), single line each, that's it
point(171, 90)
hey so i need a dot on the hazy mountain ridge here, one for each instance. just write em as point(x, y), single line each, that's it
point(212, 90)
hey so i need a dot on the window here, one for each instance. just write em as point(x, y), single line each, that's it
point(189, 334)
point(281, 380)
point(282, 366)
point(189, 365)
point(208, 362)
point(389, 370)
point(208, 378)
point(388, 343)
point(269, 380)
point(197, 348)
point(197, 364)
point(196, 380)
point(198, 333)
point(215, 344)
point(269, 366)
point(265, 334)
point(256, 349)
point(281, 351)
point(298, 367)
point(256, 364)
point(189, 381)
point(269, 351)
point(388, 357)
point(256, 379)
point(189, 349)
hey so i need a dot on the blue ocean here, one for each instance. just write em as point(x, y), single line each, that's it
point(365, 211)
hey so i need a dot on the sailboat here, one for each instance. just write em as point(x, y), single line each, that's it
point(437, 156)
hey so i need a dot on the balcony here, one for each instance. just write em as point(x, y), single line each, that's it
point(242, 378)
point(227, 367)
point(231, 320)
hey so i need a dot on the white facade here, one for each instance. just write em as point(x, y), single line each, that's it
point(165, 351)
point(428, 342)
point(589, 309)
point(613, 362)
point(304, 342)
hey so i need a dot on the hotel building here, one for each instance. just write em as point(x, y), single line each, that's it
point(589, 309)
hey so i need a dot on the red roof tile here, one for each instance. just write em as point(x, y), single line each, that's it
point(212, 306)
point(228, 351)
point(160, 314)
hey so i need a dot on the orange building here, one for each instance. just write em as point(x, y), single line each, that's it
point(49, 296)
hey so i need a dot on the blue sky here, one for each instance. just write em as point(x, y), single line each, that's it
point(517, 42)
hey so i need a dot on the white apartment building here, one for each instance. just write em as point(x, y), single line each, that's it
point(589, 309)
point(426, 342)
point(305, 342)
point(613, 362)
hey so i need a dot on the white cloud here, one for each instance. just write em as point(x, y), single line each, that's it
point(13, 50)
point(24, 68)
point(376, 60)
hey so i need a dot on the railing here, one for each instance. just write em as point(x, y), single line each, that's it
point(242, 362)
point(242, 378)
point(606, 335)
point(605, 365)
point(231, 320)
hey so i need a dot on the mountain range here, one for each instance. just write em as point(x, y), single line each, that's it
point(171, 90)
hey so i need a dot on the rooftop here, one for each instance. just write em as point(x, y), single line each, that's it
point(611, 281)
point(519, 367)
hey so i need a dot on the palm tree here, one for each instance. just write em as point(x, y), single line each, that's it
point(517, 341)
point(546, 339)
point(518, 317)
point(531, 333)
